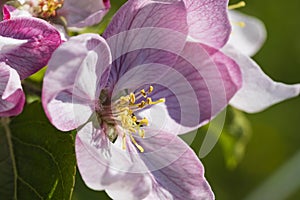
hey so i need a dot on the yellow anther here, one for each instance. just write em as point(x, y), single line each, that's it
point(132, 98)
point(151, 88)
point(149, 101)
point(237, 5)
point(136, 144)
point(142, 104)
point(134, 118)
point(143, 93)
point(144, 121)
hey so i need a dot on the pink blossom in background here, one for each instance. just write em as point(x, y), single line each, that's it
point(258, 91)
point(26, 45)
point(77, 14)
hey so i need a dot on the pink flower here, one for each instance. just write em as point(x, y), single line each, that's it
point(26, 45)
point(130, 93)
point(76, 13)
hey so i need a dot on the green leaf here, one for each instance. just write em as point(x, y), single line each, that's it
point(36, 160)
point(38, 76)
point(235, 137)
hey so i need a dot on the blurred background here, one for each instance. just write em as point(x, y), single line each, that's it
point(258, 155)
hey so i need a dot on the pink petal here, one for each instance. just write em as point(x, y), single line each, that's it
point(141, 14)
point(258, 91)
point(42, 40)
point(76, 73)
point(104, 165)
point(197, 83)
point(80, 14)
point(175, 168)
point(168, 166)
point(12, 98)
point(248, 39)
point(6, 11)
point(208, 21)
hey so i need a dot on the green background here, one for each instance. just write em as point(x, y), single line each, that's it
point(275, 138)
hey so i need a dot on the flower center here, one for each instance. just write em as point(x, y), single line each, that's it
point(123, 116)
point(48, 8)
point(44, 9)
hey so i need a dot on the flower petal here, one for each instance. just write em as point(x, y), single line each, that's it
point(77, 71)
point(171, 169)
point(247, 39)
point(104, 165)
point(176, 170)
point(42, 40)
point(197, 83)
point(80, 14)
point(10, 12)
point(208, 21)
point(258, 91)
point(12, 98)
point(141, 14)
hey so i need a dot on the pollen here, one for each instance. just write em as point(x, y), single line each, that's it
point(237, 5)
point(130, 124)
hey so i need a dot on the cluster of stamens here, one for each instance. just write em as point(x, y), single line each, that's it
point(48, 8)
point(44, 9)
point(124, 109)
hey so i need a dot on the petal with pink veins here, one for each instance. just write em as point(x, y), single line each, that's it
point(12, 97)
point(104, 165)
point(30, 56)
point(148, 14)
point(197, 83)
point(178, 174)
point(76, 73)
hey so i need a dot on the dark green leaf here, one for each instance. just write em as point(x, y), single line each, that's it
point(36, 160)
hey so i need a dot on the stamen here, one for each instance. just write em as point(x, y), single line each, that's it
point(142, 104)
point(123, 111)
point(150, 102)
point(136, 144)
point(237, 5)
point(48, 8)
point(132, 98)
point(144, 121)
point(142, 133)
point(151, 88)
point(134, 118)
point(124, 142)
point(143, 93)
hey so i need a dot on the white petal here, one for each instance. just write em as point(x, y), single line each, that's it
point(258, 91)
point(249, 38)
